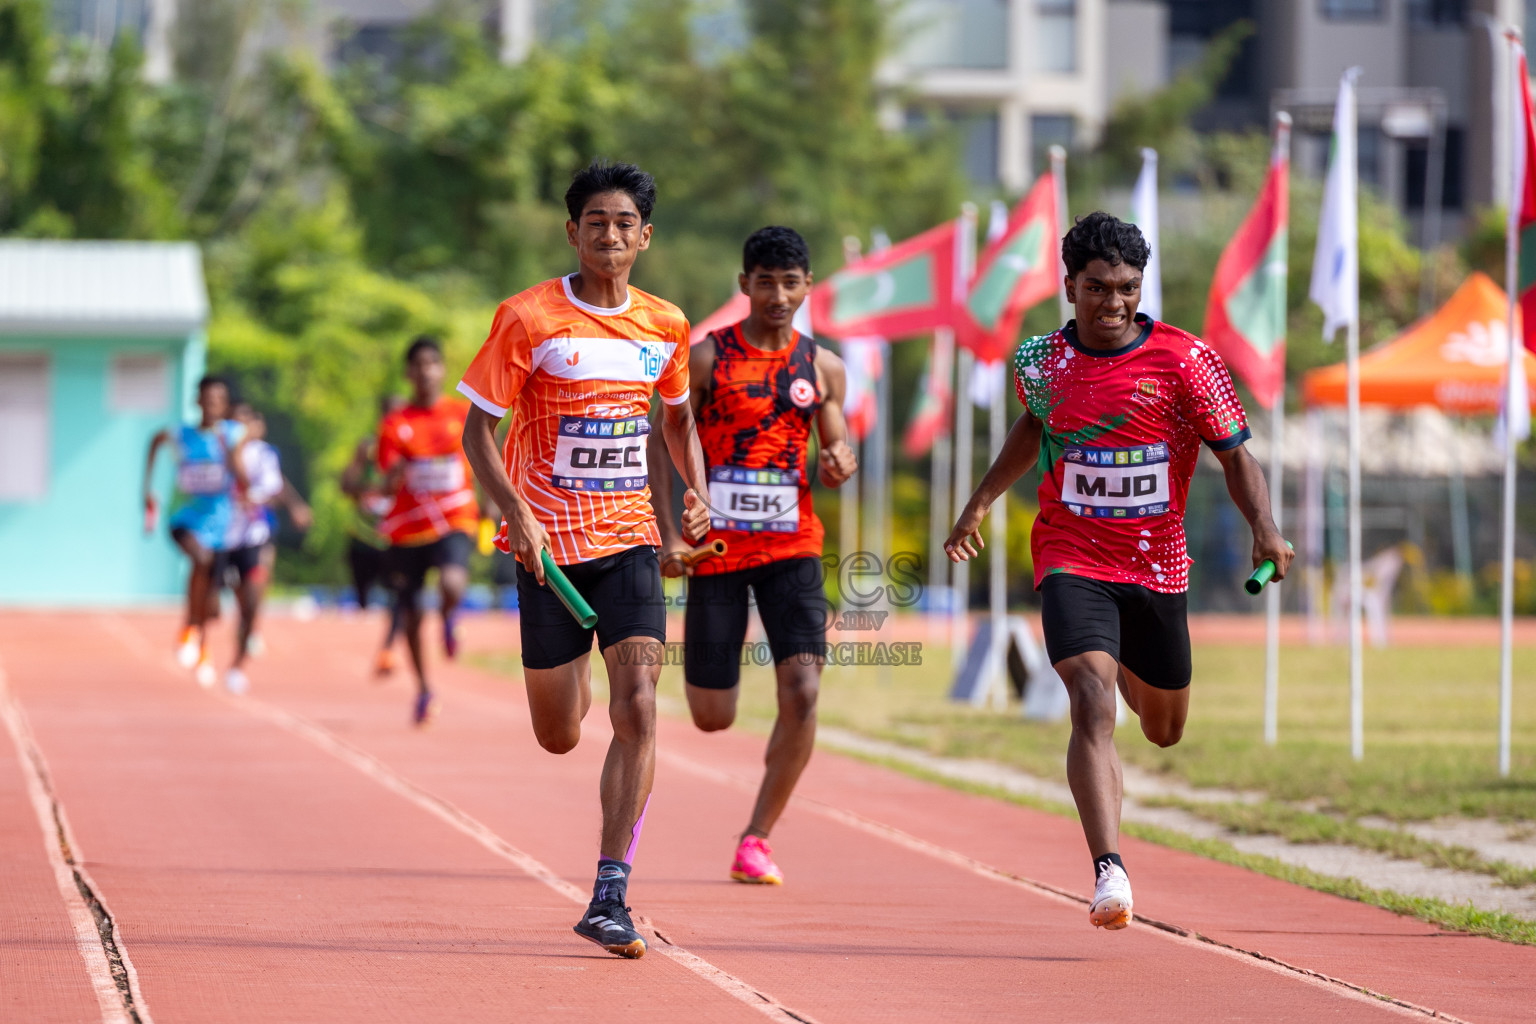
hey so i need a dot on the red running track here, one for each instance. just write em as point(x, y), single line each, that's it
point(303, 855)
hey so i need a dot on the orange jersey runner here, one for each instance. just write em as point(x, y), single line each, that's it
point(435, 497)
point(754, 427)
point(577, 380)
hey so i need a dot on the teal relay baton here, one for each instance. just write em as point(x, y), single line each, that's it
point(567, 593)
point(1263, 574)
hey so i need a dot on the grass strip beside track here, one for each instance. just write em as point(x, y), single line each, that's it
point(1297, 825)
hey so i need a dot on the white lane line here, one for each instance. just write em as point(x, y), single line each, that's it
point(458, 819)
point(1174, 933)
point(117, 1007)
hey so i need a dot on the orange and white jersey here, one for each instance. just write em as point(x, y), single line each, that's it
point(577, 380)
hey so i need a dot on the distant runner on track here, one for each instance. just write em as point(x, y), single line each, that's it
point(575, 361)
point(760, 385)
point(208, 468)
point(1116, 406)
point(250, 552)
point(367, 548)
point(434, 513)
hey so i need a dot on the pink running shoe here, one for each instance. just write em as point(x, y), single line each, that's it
point(754, 863)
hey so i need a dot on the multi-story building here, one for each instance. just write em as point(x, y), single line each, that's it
point(1017, 76)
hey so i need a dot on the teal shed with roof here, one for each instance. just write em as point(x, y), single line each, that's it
point(101, 345)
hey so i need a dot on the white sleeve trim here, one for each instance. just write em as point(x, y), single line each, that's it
point(679, 400)
point(480, 400)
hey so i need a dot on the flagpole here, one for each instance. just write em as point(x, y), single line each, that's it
point(1276, 498)
point(1351, 172)
point(959, 625)
point(1063, 222)
point(1511, 367)
point(848, 494)
point(941, 375)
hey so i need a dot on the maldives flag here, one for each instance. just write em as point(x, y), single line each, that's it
point(907, 289)
point(930, 413)
point(1522, 205)
point(1016, 271)
point(1245, 314)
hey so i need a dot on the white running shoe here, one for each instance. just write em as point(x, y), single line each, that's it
point(1111, 907)
point(206, 674)
point(186, 654)
point(235, 681)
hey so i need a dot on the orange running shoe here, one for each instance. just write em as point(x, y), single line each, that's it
point(384, 664)
point(188, 648)
point(754, 863)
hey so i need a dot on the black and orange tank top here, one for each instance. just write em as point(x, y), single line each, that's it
point(754, 428)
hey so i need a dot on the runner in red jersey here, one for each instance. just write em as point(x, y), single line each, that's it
point(1116, 407)
point(434, 512)
point(760, 387)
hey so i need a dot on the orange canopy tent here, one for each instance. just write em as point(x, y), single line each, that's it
point(1453, 359)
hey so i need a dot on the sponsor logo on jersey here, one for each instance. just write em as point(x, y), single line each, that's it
point(651, 359)
point(802, 392)
point(1146, 390)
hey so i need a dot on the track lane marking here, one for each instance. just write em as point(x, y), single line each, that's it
point(1175, 933)
point(462, 821)
point(117, 992)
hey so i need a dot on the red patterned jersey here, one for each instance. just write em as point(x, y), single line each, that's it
point(436, 495)
point(1122, 434)
point(753, 428)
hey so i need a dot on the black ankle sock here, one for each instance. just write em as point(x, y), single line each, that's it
point(612, 880)
point(1107, 858)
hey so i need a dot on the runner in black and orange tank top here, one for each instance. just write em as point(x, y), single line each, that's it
point(765, 385)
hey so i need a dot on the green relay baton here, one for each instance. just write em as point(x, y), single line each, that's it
point(573, 601)
point(1263, 574)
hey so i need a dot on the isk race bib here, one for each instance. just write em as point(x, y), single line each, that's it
point(1116, 483)
point(595, 454)
point(202, 477)
point(436, 474)
point(754, 499)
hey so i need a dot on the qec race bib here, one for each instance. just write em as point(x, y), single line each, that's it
point(1116, 483)
point(754, 499)
point(601, 454)
point(198, 477)
point(437, 474)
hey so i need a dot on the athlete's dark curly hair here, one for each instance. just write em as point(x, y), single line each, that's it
point(775, 248)
point(600, 176)
point(213, 380)
point(421, 342)
point(1099, 236)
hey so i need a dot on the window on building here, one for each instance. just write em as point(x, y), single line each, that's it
point(1352, 10)
point(1437, 12)
point(139, 384)
point(1056, 34)
point(23, 427)
point(1045, 131)
point(1416, 171)
point(980, 140)
point(955, 33)
point(1368, 154)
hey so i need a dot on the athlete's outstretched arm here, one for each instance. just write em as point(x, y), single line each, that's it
point(1020, 451)
point(682, 437)
point(161, 437)
point(1250, 493)
point(836, 462)
point(525, 536)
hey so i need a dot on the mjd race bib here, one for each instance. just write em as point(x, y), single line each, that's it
point(754, 499)
point(202, 478)
point(601, 454)
point(1116, 483)
point(439, 474)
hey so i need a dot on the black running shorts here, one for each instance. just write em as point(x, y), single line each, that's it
point(790, 601)
point(624, 590)
point(1143, 630)
point(408, 564)
point(237, 565)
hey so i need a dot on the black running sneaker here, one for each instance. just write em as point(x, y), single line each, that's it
point(607, 923)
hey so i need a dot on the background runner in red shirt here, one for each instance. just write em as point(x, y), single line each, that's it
point(1116, 408)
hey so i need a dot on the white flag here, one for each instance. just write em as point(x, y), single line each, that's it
point(1144, 216)
point(1336, 263)
point(1515, 407)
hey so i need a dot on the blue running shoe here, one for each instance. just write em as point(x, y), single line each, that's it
point(425, 711)
point(607, 923)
